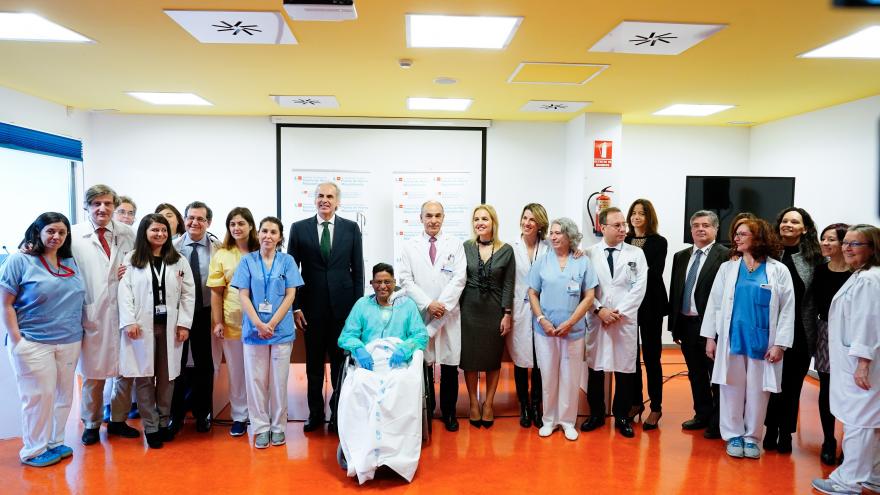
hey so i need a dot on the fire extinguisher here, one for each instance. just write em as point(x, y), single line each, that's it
point(603, 201)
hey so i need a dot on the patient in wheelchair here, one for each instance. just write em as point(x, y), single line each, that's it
point(380, 403)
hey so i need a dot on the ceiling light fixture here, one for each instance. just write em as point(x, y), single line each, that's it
point(455, 31)
point(31, 27)
point(445, 80)
point(691, 110)
point(862, 44)
point(170, 98)
point(448, 104)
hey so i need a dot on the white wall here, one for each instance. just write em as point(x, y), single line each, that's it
point(833, 155)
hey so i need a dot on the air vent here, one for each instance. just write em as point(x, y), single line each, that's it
point(258, 28)
point(306, 102)
point(554, 106)
point(654, 38)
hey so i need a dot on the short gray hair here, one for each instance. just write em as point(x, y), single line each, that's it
point(570, 230)
point(335, 186)
point(127, 199)
point(706, 213)
point(431, 202)
point(100, 190)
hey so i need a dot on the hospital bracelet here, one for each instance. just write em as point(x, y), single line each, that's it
point(540, 317)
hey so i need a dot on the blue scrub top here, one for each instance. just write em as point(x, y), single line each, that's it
point(283, 276)
point(750, 319)
point(48, 308)
point(560, 290)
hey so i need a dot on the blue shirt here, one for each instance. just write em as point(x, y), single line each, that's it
point(560, 290)
point(750, 319)
point(48, 308)
point(283, 275)
point(369, 321)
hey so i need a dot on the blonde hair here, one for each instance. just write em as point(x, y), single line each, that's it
point(496, 242)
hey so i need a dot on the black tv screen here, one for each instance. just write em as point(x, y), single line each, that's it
point(728, 196)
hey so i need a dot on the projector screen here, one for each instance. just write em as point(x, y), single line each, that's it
point(370, 163)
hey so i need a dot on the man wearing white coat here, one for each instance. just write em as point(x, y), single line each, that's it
point(99, 246)
point(612, 335)
point(432, 271)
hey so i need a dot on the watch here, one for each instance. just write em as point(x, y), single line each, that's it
point(596, 311)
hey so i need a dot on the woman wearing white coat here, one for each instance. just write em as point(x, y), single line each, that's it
point(751, 312)
point(156, 299)
point(854, 347)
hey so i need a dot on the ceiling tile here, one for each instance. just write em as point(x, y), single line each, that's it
point(555, 73)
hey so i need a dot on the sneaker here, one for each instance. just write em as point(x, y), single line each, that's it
point(62, 450)
point(134, 413)
point(47, 458)
point(278, 438)
point(261, 441)
point(735, 447)
point(546, 430)
point(571, 433)
point(238, 429)
point(751, 450)
point(832, 488)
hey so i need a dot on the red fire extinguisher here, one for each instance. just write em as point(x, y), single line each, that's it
point(603, 201)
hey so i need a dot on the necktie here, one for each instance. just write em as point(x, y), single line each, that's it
point(690, 281)
point(325, 241)
point(432, 251)
point(610, 260)
point(197, 274)
point(104, 244)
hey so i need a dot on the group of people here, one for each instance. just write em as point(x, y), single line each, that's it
point(139, 308)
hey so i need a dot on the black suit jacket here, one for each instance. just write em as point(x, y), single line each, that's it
point(717, 255)
point(336, 283)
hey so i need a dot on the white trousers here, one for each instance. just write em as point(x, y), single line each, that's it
point(266, 368)
point(561, 362)
point(743, 400)
point(44, 373)
point(238, 399)
point(861, 463)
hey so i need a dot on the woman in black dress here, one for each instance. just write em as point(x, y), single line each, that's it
point(827, 280)
point(486, 305)
point(643, 233)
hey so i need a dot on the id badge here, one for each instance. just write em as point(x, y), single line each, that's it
point(445, 268)
point(161, 309)
point(573, 288)
point(265, 307)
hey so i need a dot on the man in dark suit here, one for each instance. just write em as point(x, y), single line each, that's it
point(693, 272)
point(329, 250)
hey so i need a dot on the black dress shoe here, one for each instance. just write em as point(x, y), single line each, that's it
point(122, 429)
point(166, 433)
point(525, 419)
point(783, 445)
point(537, 413)
point(176, 425)
point(624, 426)
point(487, 423)
point(154, 440)
point(332, 427)
point(652, 426)
point(771, 440)
point(829, 453)
point(712, 433)
point(694, 423)
point(451, 423)
point(476, 423)
point(203, 425)
point(592, 422)
point(90, 436)
point(313, 423)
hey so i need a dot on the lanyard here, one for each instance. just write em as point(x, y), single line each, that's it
point(160, 279)
point(265, 278)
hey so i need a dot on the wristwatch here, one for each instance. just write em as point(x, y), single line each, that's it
point(596, 311)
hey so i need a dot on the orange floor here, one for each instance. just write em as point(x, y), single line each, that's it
point(504, 460)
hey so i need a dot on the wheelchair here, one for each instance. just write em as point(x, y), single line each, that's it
point(348, 364)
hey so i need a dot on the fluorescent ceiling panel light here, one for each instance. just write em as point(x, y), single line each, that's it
point(863, 44)
point(170, 98)
point(31, 27)
point(234, 27)
point(456, 31)
point(689, 110)
point(451, 104)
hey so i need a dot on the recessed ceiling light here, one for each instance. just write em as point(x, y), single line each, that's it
point(863, 44)
point(31, 27)
point(452, 104)
point(445, 80)
point(170, 98)
point(455, 31)
point(690, 110)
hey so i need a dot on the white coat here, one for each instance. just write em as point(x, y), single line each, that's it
point(853, 334)
point(613, 347)
point(520, 342)
point(99, 359)
point(719, 311)
point(137, 356)
point(443, 281)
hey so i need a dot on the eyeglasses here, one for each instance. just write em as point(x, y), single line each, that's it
point(387, 283)
point(617, 226)
point(125, 213)
point(742, 234)
point(853, 244)
point(197, 219)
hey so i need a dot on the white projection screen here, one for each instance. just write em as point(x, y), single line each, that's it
point(365, 159)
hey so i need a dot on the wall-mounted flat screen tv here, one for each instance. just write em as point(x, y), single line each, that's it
point(728, 196)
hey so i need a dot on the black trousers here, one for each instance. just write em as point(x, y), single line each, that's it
point(194, 388)
point(622, 393)
point(321, 336)
point(521, 380)
point(825, 416)
point(693, 347)
point(782, 410)
point(651, 346)
point(448, 389)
